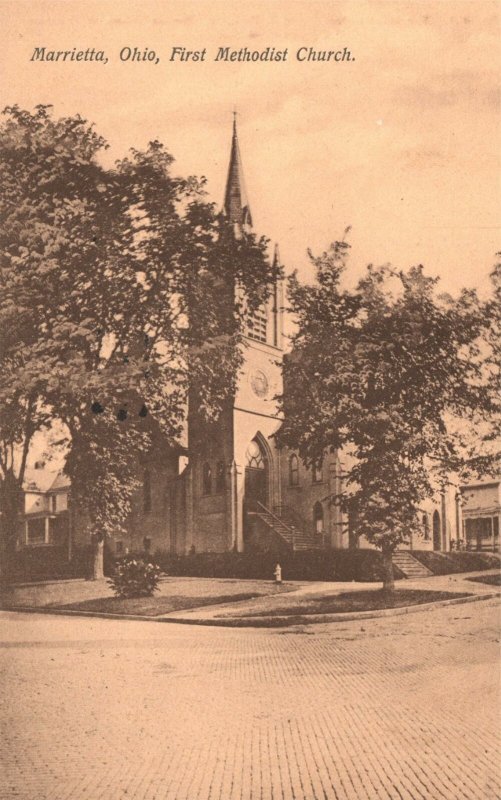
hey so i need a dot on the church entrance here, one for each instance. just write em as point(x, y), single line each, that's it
point(256, 476)
point(256, 486)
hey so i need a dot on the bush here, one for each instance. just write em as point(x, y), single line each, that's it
point(50, 562)
point(135, 577)
point(455, 562)
point(303, 565)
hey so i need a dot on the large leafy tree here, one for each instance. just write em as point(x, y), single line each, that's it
point(115, 285)
point(486, 460)
point(388, 374)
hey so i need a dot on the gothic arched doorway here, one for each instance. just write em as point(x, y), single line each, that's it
point(437, 534)
point(256, 476)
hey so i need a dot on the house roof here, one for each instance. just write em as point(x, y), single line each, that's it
point(43, 481)
point(494, 481)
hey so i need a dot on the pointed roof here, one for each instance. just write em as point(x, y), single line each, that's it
point(276, 256)
point(236, 205)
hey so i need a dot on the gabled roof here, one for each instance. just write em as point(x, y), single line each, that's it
point(61, 482)
point(43, 481)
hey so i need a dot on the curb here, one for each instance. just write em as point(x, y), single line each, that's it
point(262, 622)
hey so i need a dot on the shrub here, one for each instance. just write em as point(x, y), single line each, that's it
point(135, 577)
point(462, 561)
point(303, 565)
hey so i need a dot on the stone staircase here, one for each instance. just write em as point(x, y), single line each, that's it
point(296, 539)
point(410, 566)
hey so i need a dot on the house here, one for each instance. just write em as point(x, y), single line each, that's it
point(481, 512)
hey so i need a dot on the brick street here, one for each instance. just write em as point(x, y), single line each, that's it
point(398, 707)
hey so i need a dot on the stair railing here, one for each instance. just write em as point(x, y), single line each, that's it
point(289, 528)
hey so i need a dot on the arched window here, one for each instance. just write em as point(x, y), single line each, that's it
point(293, 470)
point(317, 473)
point(220, 477)
point(318, 518)
point(426, 527)
point(147, 492)
point(206, 478)
point(437, 532)
point(254, 456)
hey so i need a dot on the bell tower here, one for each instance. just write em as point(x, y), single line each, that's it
point(224, 459)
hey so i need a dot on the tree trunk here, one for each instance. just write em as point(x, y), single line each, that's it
point(11, 506)
point(388, 579)
point(98, 560)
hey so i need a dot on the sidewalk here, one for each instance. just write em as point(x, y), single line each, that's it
point(231, 614)
point(264, 596)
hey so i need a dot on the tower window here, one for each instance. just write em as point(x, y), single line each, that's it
point(220, 477)
point(293, 470)
point(207, 478)
point(257, 325)
point(147, 492)
point(317, 474)
point(318, 518)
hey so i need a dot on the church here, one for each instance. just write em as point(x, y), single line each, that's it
point(230, 488)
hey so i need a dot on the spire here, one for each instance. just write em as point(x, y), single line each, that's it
point(236, 205)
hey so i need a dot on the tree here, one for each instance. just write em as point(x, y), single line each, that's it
point(383, 373)
point(115, 284)
point(486, 460)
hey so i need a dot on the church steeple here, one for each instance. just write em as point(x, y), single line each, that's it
point(236, 205)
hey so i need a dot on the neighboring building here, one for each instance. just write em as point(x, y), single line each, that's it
point(481, 510)
point(46, 518)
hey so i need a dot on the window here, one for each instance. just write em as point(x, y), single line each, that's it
point(119, 548)
point(256, 325)
point(53, 503)
point(147, 544)
point(254, 455)
point(293, 470)
point(220, 477)
point(206, 479)
point(147, 492)
point(35, 533)
point(317, 472)
point(426, 527)
point(318, 518)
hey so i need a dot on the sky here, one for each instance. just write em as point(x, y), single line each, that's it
point(402, 142)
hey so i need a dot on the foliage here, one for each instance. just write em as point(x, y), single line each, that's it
point(39, 563)
point(487, 460)
point(115, 286)
point(135, 577)
point(449, 563)
point(388, 374)
point(309, 565)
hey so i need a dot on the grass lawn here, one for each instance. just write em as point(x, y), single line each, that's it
point(492, 580)
point(152, 606)
point(370, 600)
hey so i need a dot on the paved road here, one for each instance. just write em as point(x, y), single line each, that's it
point(403, 707)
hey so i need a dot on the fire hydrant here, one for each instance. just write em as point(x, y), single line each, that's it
point(278, 574)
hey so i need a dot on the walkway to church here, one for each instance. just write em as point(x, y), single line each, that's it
point(397, 707)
